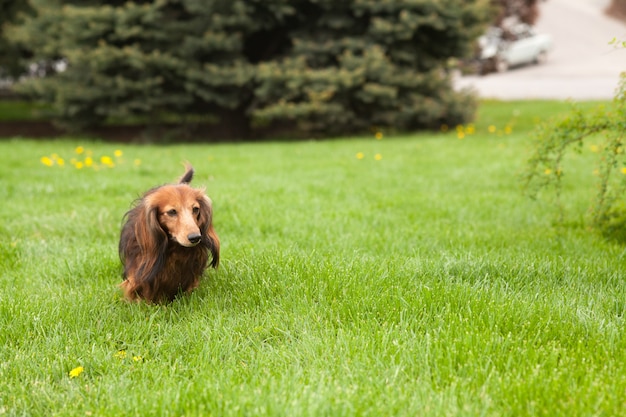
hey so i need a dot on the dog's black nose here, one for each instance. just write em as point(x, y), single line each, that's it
point(194, 238)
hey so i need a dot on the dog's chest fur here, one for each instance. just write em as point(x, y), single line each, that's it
point(182, 271)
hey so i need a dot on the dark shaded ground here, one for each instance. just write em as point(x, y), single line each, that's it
point(43, 129)
point(167, 133)
point(31, 129)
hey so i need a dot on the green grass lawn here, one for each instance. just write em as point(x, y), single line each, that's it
point(407, 276)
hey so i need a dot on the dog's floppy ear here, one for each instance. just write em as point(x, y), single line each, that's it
point(152, 240)
point(142, 248)
point(153, 235)
point(214, 246)
point(211, 240)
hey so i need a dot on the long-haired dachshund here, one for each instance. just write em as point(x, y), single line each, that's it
point(166, 240)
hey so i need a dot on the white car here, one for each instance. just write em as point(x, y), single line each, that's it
point(500, 49)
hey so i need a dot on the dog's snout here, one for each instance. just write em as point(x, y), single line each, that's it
point(194, 238)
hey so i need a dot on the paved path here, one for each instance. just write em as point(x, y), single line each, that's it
point(582, 65)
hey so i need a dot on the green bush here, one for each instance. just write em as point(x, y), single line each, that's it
point(11, 55)
point(606, 130)
point(321, 66)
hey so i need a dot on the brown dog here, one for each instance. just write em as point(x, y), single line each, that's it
point(166, 240)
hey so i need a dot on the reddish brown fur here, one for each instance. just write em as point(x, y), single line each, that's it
point(166, 240)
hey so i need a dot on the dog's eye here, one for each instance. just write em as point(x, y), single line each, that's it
point(171, 212)
point(196, 210)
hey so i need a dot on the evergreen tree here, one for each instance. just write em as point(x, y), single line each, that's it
point(321, 65)
point(11, 57)
point(370, 63)
point(140, 59)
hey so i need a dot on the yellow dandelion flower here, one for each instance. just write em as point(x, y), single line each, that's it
point(491, 129)
point(60, 162)
point(79, 150)
point(596, 172)
point(378, 157)
point(623, 170)
point(47, 161)
point(137, 162)
point(79, 165)
point(121, 354)
point(118, 153)
point(75, 373)
point(88, 161)
point(378, 135)
point(508, 130)
point(594, 148)
point(108, 161)
point(360, 155)
point(54, 156)
point(137, 358)
point(470, 129)
point(547, 171)
point(460, 135)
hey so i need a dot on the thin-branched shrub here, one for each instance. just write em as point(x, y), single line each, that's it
point(554, 139)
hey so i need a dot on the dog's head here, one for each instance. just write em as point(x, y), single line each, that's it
point(177, 214)
point(184, 213)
